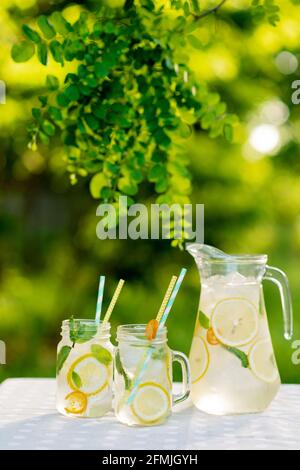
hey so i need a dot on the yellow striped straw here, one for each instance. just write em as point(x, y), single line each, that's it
point(113, 301)
point(166, 298)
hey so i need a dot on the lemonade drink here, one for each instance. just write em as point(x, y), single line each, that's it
point(151, 403)
point(84, 369)
point(233, 366)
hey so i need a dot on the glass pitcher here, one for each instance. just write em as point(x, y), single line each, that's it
point(232, 360)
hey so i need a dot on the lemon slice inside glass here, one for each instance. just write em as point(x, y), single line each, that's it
point(262, 361)
point(151, 403)
point(235, 322)
point(88, 375)
point(76, 403)
point(199, 359)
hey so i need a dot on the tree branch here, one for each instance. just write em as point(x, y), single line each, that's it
point(209, 12)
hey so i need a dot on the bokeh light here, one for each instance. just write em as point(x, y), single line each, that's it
point(286, 62)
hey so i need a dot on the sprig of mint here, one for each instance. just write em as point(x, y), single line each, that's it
point(79, 333)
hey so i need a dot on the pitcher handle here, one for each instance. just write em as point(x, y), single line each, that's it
point(186, 376)
point(279, 278)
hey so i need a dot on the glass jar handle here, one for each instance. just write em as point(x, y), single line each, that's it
point(279, 278)
point(186, 376)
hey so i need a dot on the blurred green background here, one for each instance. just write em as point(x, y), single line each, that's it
point(50, 258)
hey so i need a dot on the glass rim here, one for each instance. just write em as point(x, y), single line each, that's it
point(135, 332)
point(89, 323)
point(238, 259)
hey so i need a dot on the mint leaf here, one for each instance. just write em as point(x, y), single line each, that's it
point(76, 379)
point(240, 355)
point(121, 371)
point(204, 320)
point(61, 357)
point(79, 333)
point(101, 354)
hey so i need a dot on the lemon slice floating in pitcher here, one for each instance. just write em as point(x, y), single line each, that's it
point(88, 375)
point(235, 322)
point(199, 358)
point(262, 361)
point(151, 403)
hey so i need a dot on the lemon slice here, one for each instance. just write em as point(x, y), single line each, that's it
point(199, 358)
point(235, 322)
point(262, 361)
point(76, 403)
point(88, 375)
point(151, 403)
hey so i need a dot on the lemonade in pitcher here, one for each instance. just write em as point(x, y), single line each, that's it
point(233, 365)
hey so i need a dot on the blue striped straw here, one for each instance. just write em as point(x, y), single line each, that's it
point(100, 299)
point(172, 298)
point(141, 372)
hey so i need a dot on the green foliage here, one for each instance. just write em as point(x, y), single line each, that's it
point(265, 9)
point(22, 52)
point(125, 112)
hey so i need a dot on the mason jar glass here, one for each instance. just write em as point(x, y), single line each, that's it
point(84, 369)
point(143, 377)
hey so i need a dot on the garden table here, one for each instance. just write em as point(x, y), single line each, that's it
point(28, 420)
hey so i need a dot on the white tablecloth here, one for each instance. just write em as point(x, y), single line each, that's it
point(28, 420)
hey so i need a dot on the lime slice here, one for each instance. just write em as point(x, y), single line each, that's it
point(76, 403)
point(235, 322)
point(262, 361)
point(88, 375)
point(152, 403)
point(199, 358)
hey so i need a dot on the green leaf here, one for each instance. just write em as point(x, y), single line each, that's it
point(91, 121)
point(62, 100)
point(228, 132)
point(31, 34)
point(194, 41)
point(48, 128)
point(101, 70)
point(157, 173)
point(61, 358)
point(42, 52)
point(22, 52)
point(204, 320)
point(120, 369)
point(97, 183)
point(45, 27)
point(52, 82)
point(127, 187)
point(101, 354)
point(76, 379)
point(240, 355)
point(61, 25)
point(36, 113)
point(44, 138)
point(80, 333)
point(72, 93)
point(55, 113)
point(57, 51)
